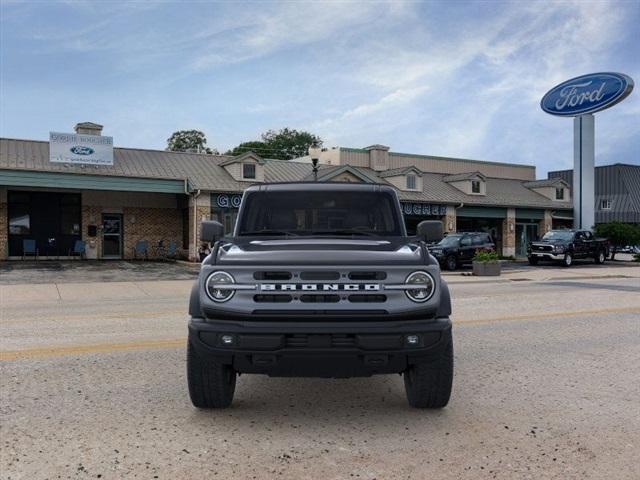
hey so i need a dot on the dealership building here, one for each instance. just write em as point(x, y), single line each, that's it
point(113, 198)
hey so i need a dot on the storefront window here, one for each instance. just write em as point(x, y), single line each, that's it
point(19, 220)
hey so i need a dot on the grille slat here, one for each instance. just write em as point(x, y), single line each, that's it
point(363, 298)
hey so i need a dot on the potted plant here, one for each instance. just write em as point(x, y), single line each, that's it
point(486, 264)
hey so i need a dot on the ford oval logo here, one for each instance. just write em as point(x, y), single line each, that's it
point(79, 150)
point(587, 94)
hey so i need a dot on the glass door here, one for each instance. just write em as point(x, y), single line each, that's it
point(111, 235)
point(525, 233)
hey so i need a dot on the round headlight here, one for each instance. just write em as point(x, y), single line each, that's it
point(214, 289)
point(425, 286)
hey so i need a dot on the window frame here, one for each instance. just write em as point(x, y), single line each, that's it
point(255, 171)
point(414, 178)
point(473, 185)
point(608, 204)
point(560, 193)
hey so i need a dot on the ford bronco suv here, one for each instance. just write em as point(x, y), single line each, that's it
point(320, 280)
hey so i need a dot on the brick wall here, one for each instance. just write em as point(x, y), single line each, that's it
point(152, 225)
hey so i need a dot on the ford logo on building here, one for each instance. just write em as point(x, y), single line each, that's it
point(587, 94)
point(80, 150)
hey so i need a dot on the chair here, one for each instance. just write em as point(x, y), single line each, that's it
point(160, 250)
point(29, 248)
point(141, 248)
point(79, 248)
point(172, 249)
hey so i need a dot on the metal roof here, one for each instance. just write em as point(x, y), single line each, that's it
point(205, 172)
point(463, 176)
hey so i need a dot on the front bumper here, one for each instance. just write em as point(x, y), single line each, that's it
point(319, 349)
point(546, 255)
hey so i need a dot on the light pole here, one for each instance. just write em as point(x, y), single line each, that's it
point(314, 153)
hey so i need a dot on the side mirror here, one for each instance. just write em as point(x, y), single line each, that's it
point(211, 231)
point(430, 231)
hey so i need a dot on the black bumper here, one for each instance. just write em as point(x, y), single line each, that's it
point(319, 349)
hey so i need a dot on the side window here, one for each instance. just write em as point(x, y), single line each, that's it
point(588, 236)
point(465, 242)
point(579, 236)
point(478, 239)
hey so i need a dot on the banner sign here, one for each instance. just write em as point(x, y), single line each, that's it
point(424, 209)
point(228, 201)
point(587, 94)
point(80, 149)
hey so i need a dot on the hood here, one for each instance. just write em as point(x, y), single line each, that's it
point(320, 251)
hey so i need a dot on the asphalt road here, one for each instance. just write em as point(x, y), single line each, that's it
point(546, 386)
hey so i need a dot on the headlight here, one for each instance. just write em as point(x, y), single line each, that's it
point(425, 286)
point(213, 286)
point(559, 248)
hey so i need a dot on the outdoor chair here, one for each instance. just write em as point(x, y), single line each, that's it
point(142, 249)
point(29, 248)
point(79, 248)
point(172, 249)
point(159, 249)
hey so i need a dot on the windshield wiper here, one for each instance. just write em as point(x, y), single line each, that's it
point(345, 231)
point(268, 232)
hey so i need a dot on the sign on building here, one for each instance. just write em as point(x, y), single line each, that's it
point(80, 149)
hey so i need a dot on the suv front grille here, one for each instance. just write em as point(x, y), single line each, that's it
point(320, 341)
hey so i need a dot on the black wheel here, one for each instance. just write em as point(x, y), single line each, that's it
point(600, 257)
point(567, 260)
point(451, 263)
point(533, 260)
point(428, 384)
point(211, 384)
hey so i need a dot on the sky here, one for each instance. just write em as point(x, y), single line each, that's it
point(451, 78)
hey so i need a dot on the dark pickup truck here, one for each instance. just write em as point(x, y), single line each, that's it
point(565, 246)
point(320, 280)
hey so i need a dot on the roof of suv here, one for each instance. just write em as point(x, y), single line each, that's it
point(320, 186)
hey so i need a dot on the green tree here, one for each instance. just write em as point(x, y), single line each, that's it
point(188, 141)
point(619, 234)
point(283, 144)
point(256, 147)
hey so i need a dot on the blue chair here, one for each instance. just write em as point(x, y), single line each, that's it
point(29, 248)
point(142, 249)
point(172, 249)
point(79, 248)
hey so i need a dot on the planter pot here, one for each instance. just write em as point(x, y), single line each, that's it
point(486, 269)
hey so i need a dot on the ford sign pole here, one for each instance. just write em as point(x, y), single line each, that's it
point(580, 97)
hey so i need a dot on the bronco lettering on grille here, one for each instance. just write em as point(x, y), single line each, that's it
point(323, 287)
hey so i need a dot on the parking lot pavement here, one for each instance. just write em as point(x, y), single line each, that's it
point(545, 387)
point(46, 271)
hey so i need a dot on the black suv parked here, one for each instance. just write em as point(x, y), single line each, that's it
point(459, 248)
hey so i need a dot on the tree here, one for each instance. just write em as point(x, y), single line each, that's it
point(619, 234)
point(284, 144)
point(188, 141)
point(256, 146)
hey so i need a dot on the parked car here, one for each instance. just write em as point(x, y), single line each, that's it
point(457, 249)
point(565, 246)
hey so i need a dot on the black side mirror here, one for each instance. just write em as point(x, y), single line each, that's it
point(211, 231)
point(430, 231)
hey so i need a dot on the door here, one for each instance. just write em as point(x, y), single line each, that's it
point(525, 233)
point(467, 251)
point(111, 235)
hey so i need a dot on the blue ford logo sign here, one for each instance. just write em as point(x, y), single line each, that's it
point(80, 150)
point(587, 94)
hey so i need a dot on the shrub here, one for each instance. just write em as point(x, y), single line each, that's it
point(619, 234)
point(482, 256)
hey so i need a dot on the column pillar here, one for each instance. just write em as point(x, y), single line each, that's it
point(199, 210)
point(545, 224)
point(583, 172)
point(509, 234)
point(450, 219)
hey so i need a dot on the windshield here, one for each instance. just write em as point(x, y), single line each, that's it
point(335, 213)
point(558, 235)
point(449, 241)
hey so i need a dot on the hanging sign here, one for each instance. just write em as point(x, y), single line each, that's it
point(80, 149)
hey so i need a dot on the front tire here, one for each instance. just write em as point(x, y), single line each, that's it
point(211, 384)
point(451, 263)
point(600, 257)
point(428, 383)
point(568, 260)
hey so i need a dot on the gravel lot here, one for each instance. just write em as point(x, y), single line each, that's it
point(546, 386)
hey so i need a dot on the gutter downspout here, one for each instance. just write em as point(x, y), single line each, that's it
point(195, 196)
